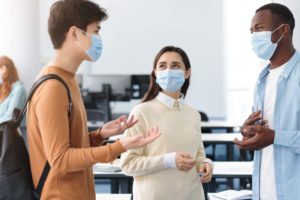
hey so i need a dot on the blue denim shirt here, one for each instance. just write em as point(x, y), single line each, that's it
point(287, 131)
point(16, 99)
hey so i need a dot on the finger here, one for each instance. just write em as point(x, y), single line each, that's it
point(237, 142)
point(206, 175)
point(189, 161)
point(254, 114)
point(246, 144)
point(133, 123)
point(130, 120)
point(251, 121)
point(185, 155)
point(205, 179)
point(201, 169)
point(121, 119)
point(207, 167)
point(256, 129)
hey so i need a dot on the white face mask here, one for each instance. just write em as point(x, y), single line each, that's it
point(262, 43)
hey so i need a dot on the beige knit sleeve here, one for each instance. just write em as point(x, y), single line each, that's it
point(136, 162)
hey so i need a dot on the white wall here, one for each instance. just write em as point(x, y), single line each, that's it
point(19, 36)
point(136, 30)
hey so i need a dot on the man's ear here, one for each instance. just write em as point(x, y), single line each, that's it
point(72, 33)
point(187, 73)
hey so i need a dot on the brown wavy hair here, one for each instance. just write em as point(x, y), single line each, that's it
point(9, 77)
point(154, 88)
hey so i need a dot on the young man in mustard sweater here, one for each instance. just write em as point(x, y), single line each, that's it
point(63, 140)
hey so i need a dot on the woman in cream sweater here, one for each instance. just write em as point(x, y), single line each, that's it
point(168, 168)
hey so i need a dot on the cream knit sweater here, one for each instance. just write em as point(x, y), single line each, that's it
point(180, 132)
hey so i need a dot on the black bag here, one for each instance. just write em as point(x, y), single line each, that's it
point(15, 175)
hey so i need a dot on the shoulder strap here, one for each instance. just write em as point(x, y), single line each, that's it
point(33, 89)
point(37, 192)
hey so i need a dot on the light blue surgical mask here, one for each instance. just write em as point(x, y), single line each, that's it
point(262, 43)
point(1, 80)
point(170, 80)
point(95, 50)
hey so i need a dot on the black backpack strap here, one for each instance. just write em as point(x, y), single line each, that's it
point(39, 188)
point(36, 84)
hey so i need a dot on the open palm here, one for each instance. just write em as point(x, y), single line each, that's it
point(137, 141)
point(117, 126)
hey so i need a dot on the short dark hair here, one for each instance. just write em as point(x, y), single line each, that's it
point(154, 88)
point(283, 13)
point(67, 13)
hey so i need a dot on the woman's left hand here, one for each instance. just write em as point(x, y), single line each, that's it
point(206, 169)
point(117, 126)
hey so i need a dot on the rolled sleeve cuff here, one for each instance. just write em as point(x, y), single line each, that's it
point(169, 160)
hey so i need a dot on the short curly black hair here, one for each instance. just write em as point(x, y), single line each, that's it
point(281, 14)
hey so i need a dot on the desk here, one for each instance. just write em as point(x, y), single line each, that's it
point(113, 196)
point(234, 169)
point(117, 179)
point(221, 170)
point(229, 126)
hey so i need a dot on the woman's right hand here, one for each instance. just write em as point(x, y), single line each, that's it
point(137, 141)
point(184, 161)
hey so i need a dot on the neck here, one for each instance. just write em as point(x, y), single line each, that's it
point(282, 55)
point(175, 95)
point(64, 60)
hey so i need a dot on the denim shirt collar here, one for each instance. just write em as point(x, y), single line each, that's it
point(289, 66)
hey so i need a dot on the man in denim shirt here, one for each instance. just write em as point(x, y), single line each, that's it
point(273, 131)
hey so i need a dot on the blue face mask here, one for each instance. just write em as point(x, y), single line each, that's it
point(262, 43)
point(170, 80)
point(95, 50)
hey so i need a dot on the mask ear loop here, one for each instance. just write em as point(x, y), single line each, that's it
point(78, 43)
point(281, 35)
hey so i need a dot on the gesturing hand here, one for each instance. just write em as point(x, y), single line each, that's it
point(137, 141)
point(253, 119)
point(262, 137)
point(184, 161)
point(117, 126)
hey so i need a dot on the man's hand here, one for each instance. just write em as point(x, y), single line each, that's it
point(118, 126)
point(137, 141)
point(184, 161)
point(206, 170)
point(262, 137)
point(254, 118)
